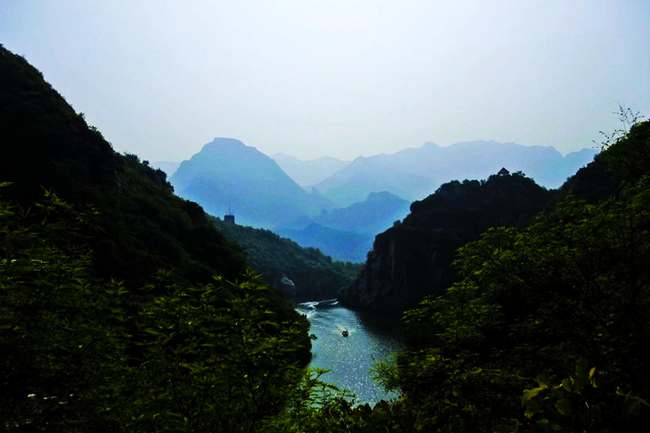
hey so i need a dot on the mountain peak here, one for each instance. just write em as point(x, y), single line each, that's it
point(382, 196)
point(225, 143)
point(227, 174)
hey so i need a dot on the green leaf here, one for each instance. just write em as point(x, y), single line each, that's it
point(563, 406)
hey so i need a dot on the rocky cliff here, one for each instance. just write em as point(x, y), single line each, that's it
point(414, 257)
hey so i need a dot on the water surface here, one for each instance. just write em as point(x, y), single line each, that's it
point(349, 359)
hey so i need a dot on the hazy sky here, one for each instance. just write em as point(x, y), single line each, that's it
point(338, 77)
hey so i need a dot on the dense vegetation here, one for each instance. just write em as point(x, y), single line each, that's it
point(545, 328)
point(142, 226)
point(413, 258)
point(551, 317)
point(88, 354)
point(104, 327)
point(122, 308)
point(314, 275)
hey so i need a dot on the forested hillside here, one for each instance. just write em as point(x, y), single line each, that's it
point(142, 226)
point(301, 273)
point(413, 258)
point(122, 308)
point(545, 328)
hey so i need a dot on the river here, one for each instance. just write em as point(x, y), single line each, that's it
point(370, 338)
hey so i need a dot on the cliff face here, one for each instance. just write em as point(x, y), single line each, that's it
point(404, 263)
point(413, 258)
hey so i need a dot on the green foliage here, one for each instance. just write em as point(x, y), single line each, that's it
point(545, 328)
point(142, 226)
point(82, 353)
point(217, 359)
point(386, 373)
point(58, 329)
point(317, 406)
point(110, 319)
point(414, 259)
point(571, 289)
point(315, 275)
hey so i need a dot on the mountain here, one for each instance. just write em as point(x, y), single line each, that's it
point(543, 329)
point(168, 167)
point(342, 245)
point(545, 324)
point(309, 172)
point(228, 176)
point(144, 226)
point(122, 308)
point(301, 273)
point(413, 259)
point(413, 173)
point(373, 215)
point(347, 233)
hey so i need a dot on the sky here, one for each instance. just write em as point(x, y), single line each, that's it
point(339, 77)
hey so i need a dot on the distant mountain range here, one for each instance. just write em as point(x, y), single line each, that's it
point(342, 213)
point(341, 245)
point(373, 215)
point(228, 176)
point(309, 172)
point(347, 233)
point(415, 173)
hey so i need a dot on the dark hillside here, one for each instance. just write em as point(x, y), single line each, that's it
point(546, 326)
point(122, 308)
point(144, 227)
point(613, 169)
point(413, 259)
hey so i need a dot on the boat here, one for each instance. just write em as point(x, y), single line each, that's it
point(345, 333)
point(327, 303)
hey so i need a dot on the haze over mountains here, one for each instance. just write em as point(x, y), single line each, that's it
point(309, 172)
point(414, 173)
point(337, 206)
point(228, 176)
point(125, 308)
point(347, 233)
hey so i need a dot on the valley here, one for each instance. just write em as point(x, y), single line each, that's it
point(226, 217)
point(353, 201)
